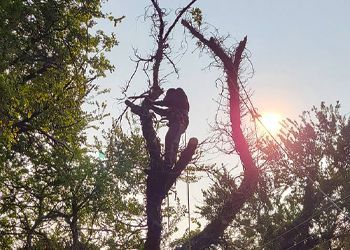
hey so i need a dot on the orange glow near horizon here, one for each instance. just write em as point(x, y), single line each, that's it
point(272, 122)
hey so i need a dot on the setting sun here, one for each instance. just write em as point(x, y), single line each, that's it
point(272, 122)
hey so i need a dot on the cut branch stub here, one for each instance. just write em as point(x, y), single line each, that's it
point(184, 159)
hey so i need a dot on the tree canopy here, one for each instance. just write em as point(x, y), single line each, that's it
point(49, 58)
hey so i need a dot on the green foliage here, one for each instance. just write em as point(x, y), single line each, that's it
point(49, 57)
point(54, 194)
point(221, 190)
point(197, 16)
point(101, 200)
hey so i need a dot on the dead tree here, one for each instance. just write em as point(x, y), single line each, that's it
point(211, 233)
point(161, 174)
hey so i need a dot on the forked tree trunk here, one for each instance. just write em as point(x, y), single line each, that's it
point(160, 178)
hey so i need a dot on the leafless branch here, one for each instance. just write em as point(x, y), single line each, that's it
point(231, 63)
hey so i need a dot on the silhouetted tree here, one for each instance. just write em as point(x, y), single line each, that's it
point(160, 177)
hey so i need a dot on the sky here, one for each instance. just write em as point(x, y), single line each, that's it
point(300, 51)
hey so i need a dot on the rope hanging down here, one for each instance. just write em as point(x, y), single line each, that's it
point(188, 201)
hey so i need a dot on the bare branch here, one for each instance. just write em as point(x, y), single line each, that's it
point(182, 11)
point(159, 52)
point(212, 232)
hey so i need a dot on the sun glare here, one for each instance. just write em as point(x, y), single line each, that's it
point(272, 122)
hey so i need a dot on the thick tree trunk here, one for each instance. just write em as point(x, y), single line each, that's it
point(154, 211)
point(75, 234)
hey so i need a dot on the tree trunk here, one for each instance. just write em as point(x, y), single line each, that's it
point(154, 211)
point(75, 234)
point(29, 241)
point(74, 225)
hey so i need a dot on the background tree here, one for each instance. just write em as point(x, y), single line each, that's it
point(49, 58)
point(51, 53)
point(302, 198)
point(76, 202)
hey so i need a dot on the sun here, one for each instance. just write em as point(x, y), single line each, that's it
point(271, 121)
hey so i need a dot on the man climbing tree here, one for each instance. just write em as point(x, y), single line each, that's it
point(177, 116)
point(162, 173)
